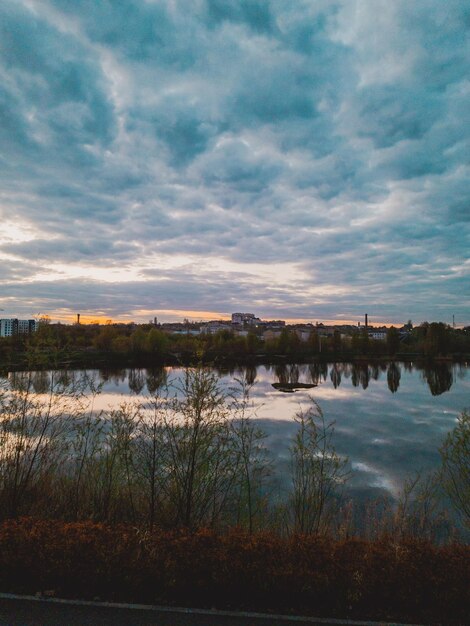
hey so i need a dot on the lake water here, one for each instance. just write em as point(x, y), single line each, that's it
point(389, 420)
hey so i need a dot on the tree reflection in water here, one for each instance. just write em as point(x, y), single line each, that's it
point(360, 375)
point(287, 374)
point(335, 375)
point(136, 381)
point(155, 378)
point(250, 375)
point(393, 377)
point(439, 377)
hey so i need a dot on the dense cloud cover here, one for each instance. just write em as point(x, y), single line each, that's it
point(298, 159)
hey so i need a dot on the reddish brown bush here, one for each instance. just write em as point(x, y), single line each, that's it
point(407, 581)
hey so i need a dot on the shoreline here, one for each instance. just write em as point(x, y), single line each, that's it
point(103, 361)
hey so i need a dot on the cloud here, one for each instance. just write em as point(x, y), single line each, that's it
point(329, 138)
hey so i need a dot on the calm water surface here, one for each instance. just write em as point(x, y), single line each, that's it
point(389, 420)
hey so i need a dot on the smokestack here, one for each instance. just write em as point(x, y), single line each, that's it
point(366, 320)
point(78, 318)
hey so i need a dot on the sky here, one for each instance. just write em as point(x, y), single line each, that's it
point(299, 160)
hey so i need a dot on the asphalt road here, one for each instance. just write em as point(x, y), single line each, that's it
point(33, 612)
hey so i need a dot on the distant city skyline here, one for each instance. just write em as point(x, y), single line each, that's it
point(203, 317)
point(304, 160)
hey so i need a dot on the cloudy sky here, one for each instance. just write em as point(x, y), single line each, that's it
point(299, 159)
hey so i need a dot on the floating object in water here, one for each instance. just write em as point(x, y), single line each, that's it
point(291, 387)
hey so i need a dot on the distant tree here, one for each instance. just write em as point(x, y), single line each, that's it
point(437, 339)
point(284, 341)
point(121, 344)
point(393, 340)
point(138, 340)
point(365, 341)
point(337, 342)
point(103, 341)
point(313, 343)
point(252, 343)
point(156, 342)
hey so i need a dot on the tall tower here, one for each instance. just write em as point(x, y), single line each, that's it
point(366, 320)
point(78, 318)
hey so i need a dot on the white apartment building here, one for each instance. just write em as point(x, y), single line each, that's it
point(245, 318)
point(14, 326)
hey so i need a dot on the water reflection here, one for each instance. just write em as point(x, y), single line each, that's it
point(393, 377)
point(360, 375)
point(42, 381)
point(155, 379)
point(287, 374)
point(136, 381)
point(388, 432)
point(335, 375)
point(250, 375)
point(439, 378)
point(115, 376)
point(318, 372)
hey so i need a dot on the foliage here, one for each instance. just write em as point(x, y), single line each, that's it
point(455, 474)
point(388, 580)
point(57, 345)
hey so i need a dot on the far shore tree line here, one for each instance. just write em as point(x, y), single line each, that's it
point(194, 457)
point(56, 344)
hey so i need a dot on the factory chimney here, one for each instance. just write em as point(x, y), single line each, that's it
point(78, 318)
point(366, 320)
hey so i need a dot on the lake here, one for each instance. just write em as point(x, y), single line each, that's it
point(390, 419)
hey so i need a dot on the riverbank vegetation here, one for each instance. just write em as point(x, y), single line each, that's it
point(389, 579)
point(58, 345)
point(173, 498)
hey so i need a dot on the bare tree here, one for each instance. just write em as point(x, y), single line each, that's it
point(196, 434)
point(252, 461)
point(114, 477)
point(33, 436)
point(150, 459)
point(455, 471)
point(317, 472)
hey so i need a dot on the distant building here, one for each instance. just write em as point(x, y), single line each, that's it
point(303, 333)
point(245, 318)
point(378, 333)
point(272, 324)
point(211, 328)
point(271, 334)
point(241, 332)
point(13, 326)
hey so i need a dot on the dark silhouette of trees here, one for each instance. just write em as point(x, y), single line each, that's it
point(393, 377)
point(393, 340)
point(439, 377)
